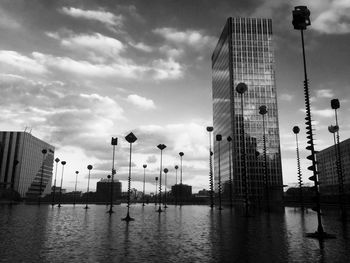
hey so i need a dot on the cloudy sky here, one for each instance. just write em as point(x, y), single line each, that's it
point(79, 72)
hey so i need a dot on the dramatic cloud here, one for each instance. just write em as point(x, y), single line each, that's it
point(142, 46)
point(324, 93)
point(286, 97)
point(102, 16)
point(141, 102)
point(167, 69)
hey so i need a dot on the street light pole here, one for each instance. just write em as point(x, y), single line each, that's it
point(44, 151)
point(296, 130)
point(54, 184)
point(229, 139)
point(130, 138)
point(161, 147)
point(218, 139)
point(114, 142)
point(181, 197)
point(241, 88)
point(60, 199)
point(144, 184)
point(155, 193)
point(176, 190)
point(165, 187)
point(87, 191)
point(211, 183)
point(75, 187)
point(301, 20)
point(263, 111)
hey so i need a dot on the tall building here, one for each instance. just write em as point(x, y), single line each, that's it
point(327, 168)
point(23, 166)
point(244, 53)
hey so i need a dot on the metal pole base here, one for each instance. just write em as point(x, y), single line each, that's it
point(86, 207)
point(159, 210)
point(165, 207)
point(110, 211)
point(59, 205)
point(143, 204)
point(320, 235)
point(128, 218)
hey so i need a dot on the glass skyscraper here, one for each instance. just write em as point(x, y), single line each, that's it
point(244, 53)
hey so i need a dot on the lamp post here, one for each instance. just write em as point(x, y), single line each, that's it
point(161, 147)
point(75, 187)
point(263, 111)
point(229, 139)
point(54, 183)
point(176, 167)
point(296, 130)
point(89, 167)
point(241, 88)
point(155, 193)
point(211, 183)
point(60, 198)
point(181, 197)
point(130, 138)
point(144, 183)
point(114, 142)
point(335, 104)
point(301, 20)
point(165, 187)
point(218, 139)
point(44, 151)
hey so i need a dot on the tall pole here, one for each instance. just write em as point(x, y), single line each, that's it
point(44, 151)
point(155, 193)
point(165, 187)
point(54, 184)
point(88, 185)
point(300, 180)
point(181, 193)
point(60, 198)
point(263, 111)
point(161, 147)
point(301, 19)
point(144, 184)
point(114, 142)
point(130, 138)
point(241, 88)
point(75, 187)
point(211, 182)
point(218, 139)
point(335, 104)
point(229, 139)
point(175, 188)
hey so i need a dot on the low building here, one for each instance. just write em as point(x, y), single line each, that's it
point(103, 190)
point(23, 165)
point(182, 192)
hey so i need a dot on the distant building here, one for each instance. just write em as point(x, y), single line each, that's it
point(103, 190)
point(328, 177)
point(22, 165)
point(182, 192)
point(244, 53)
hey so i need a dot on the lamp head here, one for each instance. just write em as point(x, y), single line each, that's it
point(301, 17)
point(262, 110)
point(241, 88)
point(335, 104)
point(89, 167)
point(218, 137)
point(210, 128)
point(144, 166)
point(296, 129)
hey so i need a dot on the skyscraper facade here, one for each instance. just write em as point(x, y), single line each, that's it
point(23, 166)
point(244, 53)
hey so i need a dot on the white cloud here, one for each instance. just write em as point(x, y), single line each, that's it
point(102, 16)
point(142, 46)
point(323, 113)
point(286, 97)
point(167, 69)
point(6, 21)
point(141, 102)
point(324, 93)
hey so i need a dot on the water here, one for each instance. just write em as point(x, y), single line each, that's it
point(30, 233)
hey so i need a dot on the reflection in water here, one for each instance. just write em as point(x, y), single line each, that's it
point(180, 234)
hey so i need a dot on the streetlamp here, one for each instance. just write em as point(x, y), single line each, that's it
point(165, 186)
point(335, 104)
point(144, 182)
point(75, 187)
point(87, 191)
point(296, 130)
point(161, 147)
point(218, 139)
point(130, 138)
point(155, 193)
point(229, 139)
point(44, 151)
point(114, 142)
point(241, 88)
point(181, 197)
point(59, 201)
point(211, 184)
point(263, 111)
point(54, 184)
point(176, 190)
point(301, 20)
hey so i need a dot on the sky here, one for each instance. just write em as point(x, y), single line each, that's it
point(77, 73)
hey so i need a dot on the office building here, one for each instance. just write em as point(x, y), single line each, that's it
point(327, 168)
point(23, 166)
point(182, 192)
point(103, 190)
point(244, 53)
